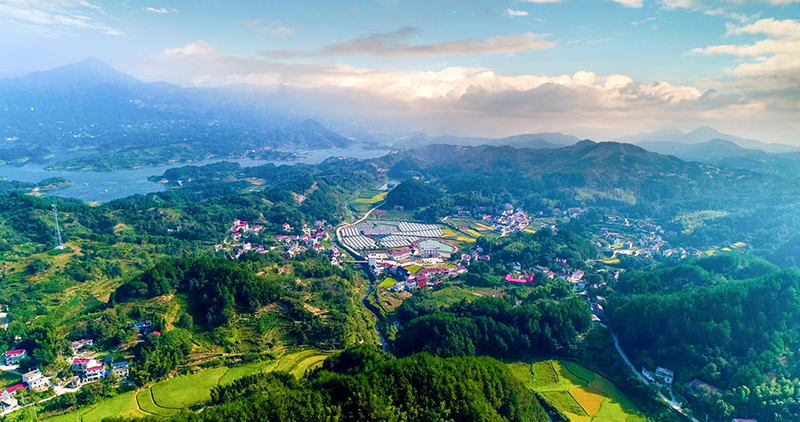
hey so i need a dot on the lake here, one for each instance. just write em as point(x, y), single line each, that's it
point(104, 187)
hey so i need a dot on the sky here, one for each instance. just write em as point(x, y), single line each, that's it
point(593, 68)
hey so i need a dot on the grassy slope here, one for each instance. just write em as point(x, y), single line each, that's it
point(166, 398)
point(582, 395)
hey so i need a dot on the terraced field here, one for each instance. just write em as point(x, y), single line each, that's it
point(167, 398)
point(582, 395)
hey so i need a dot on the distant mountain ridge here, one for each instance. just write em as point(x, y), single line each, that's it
point(702, 135)
point(728, 154)
point(547, 140)
point(90, 105)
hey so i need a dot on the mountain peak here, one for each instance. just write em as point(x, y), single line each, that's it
point(90, 72)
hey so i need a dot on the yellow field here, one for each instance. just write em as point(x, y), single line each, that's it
point(448, 233)
point(611, 261)
point(472, 233)
point(465, 239)
point(374, 200)
point(582, 395)
point(388, 283)
point(483, 226)
point(531, 231)
point(739, 245)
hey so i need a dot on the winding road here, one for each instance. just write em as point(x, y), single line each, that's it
point(671, 402)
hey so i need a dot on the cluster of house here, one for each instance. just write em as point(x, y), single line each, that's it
point(428, 277)
point(90, 370)
point(334, 254)
point(511, 220)
point(32, 380)
point(294, 244)
point(661, 375)
point(475, 254)
point(242, 228)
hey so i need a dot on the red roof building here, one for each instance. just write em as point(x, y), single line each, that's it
point(510, 279)
point(13, 389)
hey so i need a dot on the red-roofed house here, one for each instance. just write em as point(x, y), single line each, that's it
point(510, 279)
point(79, 365)
point(12, 357)
point(13, 389)
point(422, 281)
point(93, 373)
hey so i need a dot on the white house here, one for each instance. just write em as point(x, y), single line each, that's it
point(93, 373)
point(79, 365)
point(7, 402)
point(35, 380)
point(12, 357)
point(121, 369)
point(664, 376)
point(80, 345)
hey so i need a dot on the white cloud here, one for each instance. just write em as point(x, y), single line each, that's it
point(776, 57)
point(394, 44)
point(514, 13)
point(154, 10)
point(197, 48)
point(643, 21)
point(478, 100)
point(680, 4)
point(270, 27)
point(630, 3)
point(54, 17)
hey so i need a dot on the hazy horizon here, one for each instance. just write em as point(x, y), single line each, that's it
point(595, 69)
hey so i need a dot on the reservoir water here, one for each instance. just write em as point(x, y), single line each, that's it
point(103, 187)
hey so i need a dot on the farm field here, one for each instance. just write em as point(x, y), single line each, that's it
point(145, 400)
point(582, 395)
point(371, 197)
point(121, 405)
point(186, 390)
point(166, 398)
point(388, 283)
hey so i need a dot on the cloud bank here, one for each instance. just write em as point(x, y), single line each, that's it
point(395, 44)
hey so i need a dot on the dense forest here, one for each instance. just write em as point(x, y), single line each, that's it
point(539, 325)
point(363, 384)
point(728, 321)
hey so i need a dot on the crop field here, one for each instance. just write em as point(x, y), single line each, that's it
point(465, 239)
point(582, 395)
point(238, 372)
point(121, 405)
point(371, 197)
point(145, 400)
point(473, 233)
point(448, 233)
point(388, 283)
point(413, 269)
point(179, 392)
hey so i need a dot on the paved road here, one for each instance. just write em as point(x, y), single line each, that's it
point(672, 403)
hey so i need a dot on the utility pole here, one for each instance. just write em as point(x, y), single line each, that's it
point(59, 241)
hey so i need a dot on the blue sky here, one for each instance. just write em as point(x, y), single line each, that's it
point(497, 64)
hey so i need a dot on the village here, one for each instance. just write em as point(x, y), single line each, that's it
point(243, 237)
point(86, 365)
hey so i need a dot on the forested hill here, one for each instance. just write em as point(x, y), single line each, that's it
point(588, 170)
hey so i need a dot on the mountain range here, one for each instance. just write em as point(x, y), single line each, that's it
point(90, 105)
point(702, 135)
